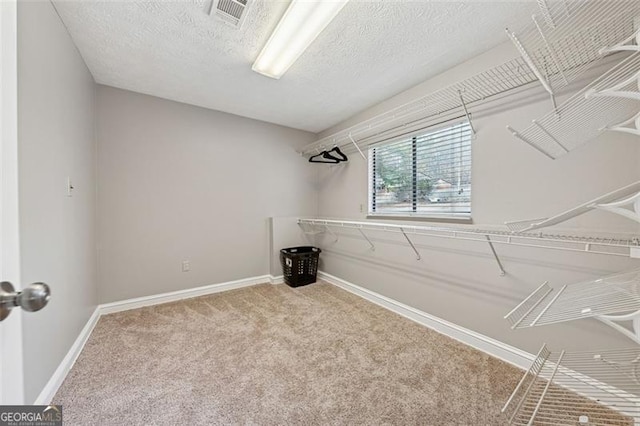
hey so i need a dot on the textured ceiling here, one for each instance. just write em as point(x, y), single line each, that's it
point(371, 51)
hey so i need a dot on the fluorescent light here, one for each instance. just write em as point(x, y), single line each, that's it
point(303, 21)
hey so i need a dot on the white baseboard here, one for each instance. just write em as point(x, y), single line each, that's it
point(493, 347)
point(277, 279)
point(157, 299)
point(50, 389)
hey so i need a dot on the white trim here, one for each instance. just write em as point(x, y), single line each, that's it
point(11, 347)
point(50, 389)
point(493, 347)
point(279, 279)
point(157, 299)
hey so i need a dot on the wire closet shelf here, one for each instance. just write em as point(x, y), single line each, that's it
point(578, 388)
point(610, 102)
point(615, 202)
point(607, 388)
point(602, 297)
point(455, 98)
point(569, 35)
point(598, 245)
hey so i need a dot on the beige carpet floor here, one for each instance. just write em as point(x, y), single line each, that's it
point(273, 355)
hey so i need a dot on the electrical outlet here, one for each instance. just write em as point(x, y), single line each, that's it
point(361, 208)
point(186, 266)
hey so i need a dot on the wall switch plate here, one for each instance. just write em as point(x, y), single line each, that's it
point(69, 187)
point(186, 266)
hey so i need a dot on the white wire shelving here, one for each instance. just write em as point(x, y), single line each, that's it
point(607, 295)
point(614, 246)
point(599, 388)
point(610, 299)
point(578, 388)
point(569, 35)
point(613, 202)
point(589, 112)
point(606, 390)
point(456, 98)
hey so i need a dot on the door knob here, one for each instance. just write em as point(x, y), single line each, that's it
point(31, 299)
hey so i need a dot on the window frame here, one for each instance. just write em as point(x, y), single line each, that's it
point(415, 215)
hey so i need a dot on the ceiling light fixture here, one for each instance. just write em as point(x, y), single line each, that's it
point(303, 21)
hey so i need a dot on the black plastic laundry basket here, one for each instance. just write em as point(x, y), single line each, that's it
point(299, 265)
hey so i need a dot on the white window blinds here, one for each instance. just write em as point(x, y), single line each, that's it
point(428, 174)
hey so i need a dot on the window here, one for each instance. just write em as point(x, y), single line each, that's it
point(426, 175)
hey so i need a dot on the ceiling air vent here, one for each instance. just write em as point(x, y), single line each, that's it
point(232, 12)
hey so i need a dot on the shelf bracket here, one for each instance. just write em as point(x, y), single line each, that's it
point(624, 45)
point(612, 321)
point(333, 234)
point(616, 90)
point(411, 244)
point(628, 333)
point(617, 207)
point(495, 255)
point(373, 247)
point(357, 147)
point(621, 127)
point(466, 112)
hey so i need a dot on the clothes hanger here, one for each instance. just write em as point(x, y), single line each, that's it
point(341, 156)
point(325, 155)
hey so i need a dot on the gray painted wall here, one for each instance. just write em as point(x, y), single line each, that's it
point(56, 140)
point(459, 281)
point(178, 182)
